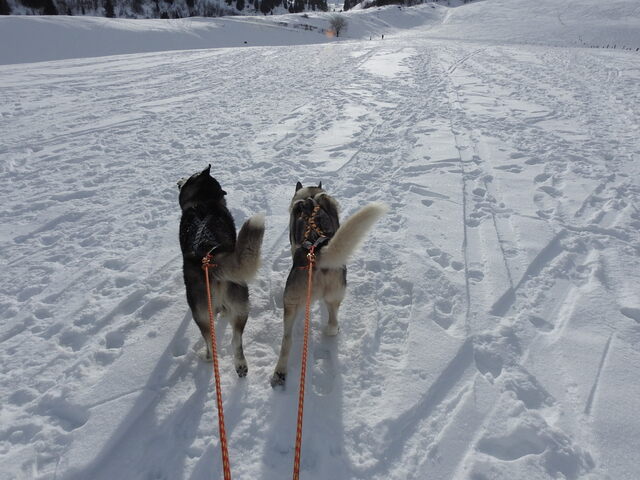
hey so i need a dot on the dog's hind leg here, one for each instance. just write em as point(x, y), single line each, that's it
point(197, 300)
point(280, 374)
point(336, 285)
point(238, 299)
point(200, 314)
point(239, 361)
point(332, 327)
point(201, 317)
point(206, 334)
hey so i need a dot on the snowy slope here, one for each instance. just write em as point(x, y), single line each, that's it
point(492, 324)
point(25, 39)
point(602, 24)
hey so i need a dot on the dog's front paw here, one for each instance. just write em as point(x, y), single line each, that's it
point(278, 379)
point(242, 369)
point(205, 356)
point(331, 330)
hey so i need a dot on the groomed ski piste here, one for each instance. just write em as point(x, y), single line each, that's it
point(491, 328)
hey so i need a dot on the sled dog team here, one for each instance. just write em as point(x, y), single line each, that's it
point(207, 227)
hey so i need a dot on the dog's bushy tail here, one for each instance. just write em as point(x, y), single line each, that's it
point(243, 264)
point(350, 235)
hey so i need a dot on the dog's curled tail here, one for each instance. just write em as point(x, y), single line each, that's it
point(244, 263)
point(350, 235)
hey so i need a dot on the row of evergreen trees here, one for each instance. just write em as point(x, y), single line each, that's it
point(349, 4)
point(160, 8)
point(181, 8)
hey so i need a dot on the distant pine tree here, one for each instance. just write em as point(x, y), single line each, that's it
point(240, 5)
point(5, 8)
point(137, 6)
point(108, 9)
point(35, 4)
point(266, 6)
point(49, 8)
point(318, 5)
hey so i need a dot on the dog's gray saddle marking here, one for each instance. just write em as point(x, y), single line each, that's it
point(203, 240)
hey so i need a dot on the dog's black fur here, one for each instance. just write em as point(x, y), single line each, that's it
point(207, 227)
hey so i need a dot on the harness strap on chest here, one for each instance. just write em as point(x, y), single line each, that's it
point(201, 239)
point(313, 228)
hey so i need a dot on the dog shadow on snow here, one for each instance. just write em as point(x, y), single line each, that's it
point(323, 432)
point(235, 401)
point(323, 454)
point(154, 442)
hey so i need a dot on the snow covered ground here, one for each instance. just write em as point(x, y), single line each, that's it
point(492, 325)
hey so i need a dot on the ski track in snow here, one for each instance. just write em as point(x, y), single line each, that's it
point(488, 319)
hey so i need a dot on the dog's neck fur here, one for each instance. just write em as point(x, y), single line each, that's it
point(312, 192)
point(208, 204)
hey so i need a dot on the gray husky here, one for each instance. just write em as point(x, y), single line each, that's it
point(314, 222)
point(207, 227)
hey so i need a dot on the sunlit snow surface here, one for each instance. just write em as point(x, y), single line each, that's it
point(492, 324)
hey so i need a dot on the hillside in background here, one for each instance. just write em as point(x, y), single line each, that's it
point(159, 8)
point(613, 26)
point(491, 329)
point(173, 9)
point(188, 8)
point(26, 39)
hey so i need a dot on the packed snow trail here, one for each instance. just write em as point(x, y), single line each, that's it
point(492, 319)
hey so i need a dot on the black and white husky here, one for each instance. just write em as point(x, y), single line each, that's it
point(207, 227)
point(314, 221)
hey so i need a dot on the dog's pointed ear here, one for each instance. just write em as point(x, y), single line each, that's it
point(207, 170)
point(223, 192)
point(320, 185)
point(298, 186)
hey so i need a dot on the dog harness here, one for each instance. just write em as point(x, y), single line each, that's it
point(313, 226)
point(199, 236)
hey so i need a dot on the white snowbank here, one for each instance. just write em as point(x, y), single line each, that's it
point(581, 23)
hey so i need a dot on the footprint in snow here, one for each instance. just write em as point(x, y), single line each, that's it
point(551, 191)
point(441, 258)
point(632, 313)
point(475, 276)
point(521, 441)
point(442, 313)
point(540, 323)
point(543, 177)
point(513, 168)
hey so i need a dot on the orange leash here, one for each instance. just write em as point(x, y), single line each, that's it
point(311, 256)
point(226, 467)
